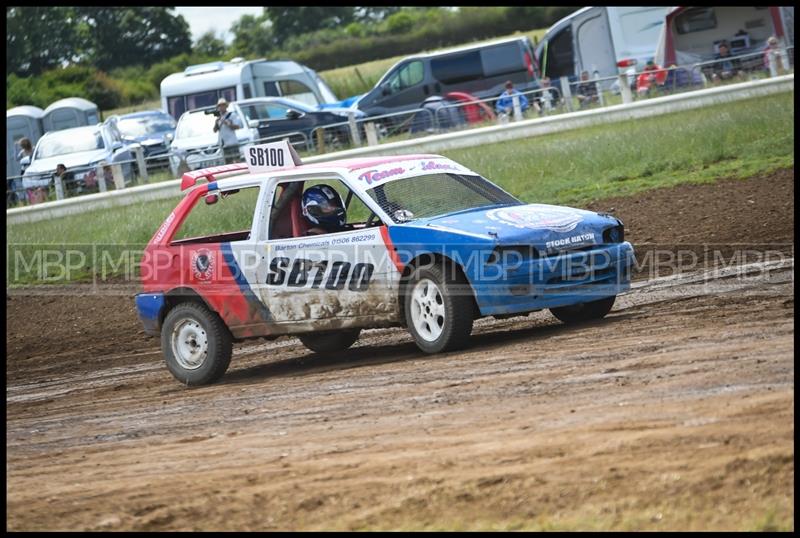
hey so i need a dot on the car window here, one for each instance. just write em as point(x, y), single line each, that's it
point(264, 111)
point(70, 141)
point(195, 124)
point(294, 89)
point(456, 68)
point(407, 76)
point(233, 212)
point(436, 194)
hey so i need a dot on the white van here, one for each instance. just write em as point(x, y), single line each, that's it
point(599, 39)
point(202, 85)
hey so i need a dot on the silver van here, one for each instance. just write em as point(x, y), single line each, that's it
point(480, 70)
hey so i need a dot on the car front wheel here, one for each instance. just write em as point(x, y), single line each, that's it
point(438, 308)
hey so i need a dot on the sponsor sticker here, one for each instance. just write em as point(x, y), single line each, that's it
point(203, 264)
point(536, 217)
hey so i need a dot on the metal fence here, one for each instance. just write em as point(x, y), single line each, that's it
point(435, 116)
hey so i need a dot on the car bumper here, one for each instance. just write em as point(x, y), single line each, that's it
point(566, 279)
point(149, 307)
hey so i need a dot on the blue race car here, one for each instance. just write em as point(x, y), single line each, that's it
point(420, 241)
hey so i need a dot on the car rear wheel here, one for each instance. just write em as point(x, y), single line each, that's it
point(330, 342)
point(197, 345)
point(438, 309)
point(584, 311)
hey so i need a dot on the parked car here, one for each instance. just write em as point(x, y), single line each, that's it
point(80, 150)
point(480, 70)
point(153, 129)
point(196, 145)
point(424, 243)
point(276, 116)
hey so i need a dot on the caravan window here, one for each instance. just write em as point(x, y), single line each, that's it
point(696, 19)
point(247, 92)
point(176, 106)
point(560, 61)
point(455, 68)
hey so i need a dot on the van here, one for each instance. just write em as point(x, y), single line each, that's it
point(604, 41)
point(480, 70)
point(203, 85)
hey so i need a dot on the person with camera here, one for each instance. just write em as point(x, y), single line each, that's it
point(226, 126)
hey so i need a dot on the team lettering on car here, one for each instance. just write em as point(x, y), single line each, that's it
point(423, 242)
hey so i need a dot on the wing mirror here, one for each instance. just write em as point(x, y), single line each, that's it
point(293, 115)
point(252, 124)
point(211, 199)
point(385, 90)
point(116, 144)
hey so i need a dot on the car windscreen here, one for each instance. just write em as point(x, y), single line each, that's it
point(195, 124)
point(145, 125)
point(433, 195)
point(69, 141)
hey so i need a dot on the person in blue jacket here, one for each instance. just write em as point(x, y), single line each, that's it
point(505, 104)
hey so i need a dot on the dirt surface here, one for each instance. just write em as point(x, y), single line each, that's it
point(674, 412)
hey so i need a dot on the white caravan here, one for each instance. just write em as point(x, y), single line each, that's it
point(601, 40)
point(202, 85)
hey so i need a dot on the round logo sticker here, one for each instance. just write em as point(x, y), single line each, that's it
point(536, 217)
point(203, 264)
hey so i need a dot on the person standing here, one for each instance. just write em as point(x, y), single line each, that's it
point(226, 126)
point(24, 157)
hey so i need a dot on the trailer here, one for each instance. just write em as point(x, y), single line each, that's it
point(203, 85)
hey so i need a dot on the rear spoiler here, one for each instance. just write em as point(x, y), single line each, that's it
point(189, 179)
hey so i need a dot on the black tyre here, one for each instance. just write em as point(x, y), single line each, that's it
point(330, 342)
point(439, 308)
point(197, 345)
point(584, 311)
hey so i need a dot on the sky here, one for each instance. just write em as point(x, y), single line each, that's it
point(219, 19)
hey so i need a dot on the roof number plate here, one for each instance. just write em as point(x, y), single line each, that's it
point(268, 157)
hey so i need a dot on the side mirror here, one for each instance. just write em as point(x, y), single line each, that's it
point(252, 124)
point(293, 115)
point(211, 199)
point(169, 137)
point(116, 144)
point(385, 90)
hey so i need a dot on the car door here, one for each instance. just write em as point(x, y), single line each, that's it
point(404, 88)
point(329, 281)
point(283, 120)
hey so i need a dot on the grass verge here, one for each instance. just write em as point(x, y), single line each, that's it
point(735, 140)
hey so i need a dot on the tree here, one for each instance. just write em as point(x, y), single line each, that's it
point(293, 21)
point(39, 38)
point(252, 36)
point(209, 44)
point(116, 37)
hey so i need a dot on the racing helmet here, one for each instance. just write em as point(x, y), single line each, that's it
point(323, 206)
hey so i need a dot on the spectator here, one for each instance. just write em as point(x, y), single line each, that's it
point(773, 52)
point(725, 67)
point(226, 125)
point(548, 98)
point(505, 104)
point(24, 157)
point(587, 91)
point(37, 188)
point(650, 77)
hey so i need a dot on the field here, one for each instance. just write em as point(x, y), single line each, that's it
point(732, 140)
point(676, 412)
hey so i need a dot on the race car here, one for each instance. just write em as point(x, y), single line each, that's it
point(427, 244)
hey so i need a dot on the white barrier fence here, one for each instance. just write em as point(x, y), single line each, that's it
point(441, 142)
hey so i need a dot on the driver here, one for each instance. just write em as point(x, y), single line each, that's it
point(323, 208)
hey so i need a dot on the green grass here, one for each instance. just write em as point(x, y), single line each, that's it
point(740, 139)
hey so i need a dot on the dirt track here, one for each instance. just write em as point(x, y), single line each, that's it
point(675, 412)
